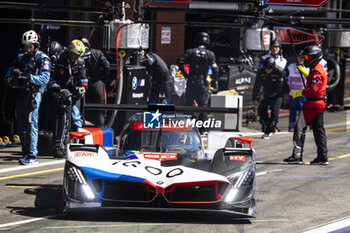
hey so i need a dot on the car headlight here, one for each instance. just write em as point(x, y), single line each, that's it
point(243, 178)
point(239, 180)
point(76, 184)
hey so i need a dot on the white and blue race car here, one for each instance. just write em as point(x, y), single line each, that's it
point(165, 168)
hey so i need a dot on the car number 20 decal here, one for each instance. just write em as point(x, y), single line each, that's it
point(153, 170)
point(156, 171)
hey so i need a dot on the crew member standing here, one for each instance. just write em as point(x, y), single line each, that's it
point(199, 60)
point(47, 107)
point(275, 53)
point(29, 75)
point(69, 78)
point(275, 50)
point(313, 109)
point(162, 81)
point(296, 80)
point(97, 69)
point(271, 78)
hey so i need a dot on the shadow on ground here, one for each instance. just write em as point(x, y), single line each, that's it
point(49, 202)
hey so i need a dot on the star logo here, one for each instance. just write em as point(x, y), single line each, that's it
point(151, 120)
point(156, 115)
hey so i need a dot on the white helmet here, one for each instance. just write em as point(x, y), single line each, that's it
point(30, 37)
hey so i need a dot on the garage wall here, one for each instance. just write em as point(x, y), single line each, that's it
point(169, 52)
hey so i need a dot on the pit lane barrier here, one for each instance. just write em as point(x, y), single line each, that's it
point(161, 107)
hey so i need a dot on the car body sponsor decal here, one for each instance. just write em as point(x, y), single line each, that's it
point(83, 154)
point(160, 156)
point(237, 157)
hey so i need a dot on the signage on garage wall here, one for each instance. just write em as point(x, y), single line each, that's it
point(298, 36)
point(166, 35)
point(266, 39)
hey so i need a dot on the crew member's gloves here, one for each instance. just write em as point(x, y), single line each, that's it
point(214, 86)
point(83, 91)
point(303, 71)
point(22, 77)
point(296, 94)
point(16, 72)
point(65, 93)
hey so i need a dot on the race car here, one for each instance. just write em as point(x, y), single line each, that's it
point(161, 168)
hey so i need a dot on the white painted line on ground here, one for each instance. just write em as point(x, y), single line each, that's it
point(267, 172)
point(22, 222)
point(23, 167)
point(250, 134)
point(343, 123)
point(331, 226)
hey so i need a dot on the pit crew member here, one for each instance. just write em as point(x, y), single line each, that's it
point(162, 81)
point(29, 75)
point(199, 60)
point(294, 76)
point(275, 50)
point(313, 109)
point(97, 69)
point(271, 78)
point(69, 78)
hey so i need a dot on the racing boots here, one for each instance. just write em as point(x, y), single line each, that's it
point(293, 160)
point(319, 161)
point(270, 130)
point(267, 135)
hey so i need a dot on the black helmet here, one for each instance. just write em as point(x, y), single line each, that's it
point(86, 42)
point(55, 49)
point(275, 43)
point(202, 38)
point(269, 63)
point(312, 55)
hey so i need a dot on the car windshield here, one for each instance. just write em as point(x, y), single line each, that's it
point(161, 141)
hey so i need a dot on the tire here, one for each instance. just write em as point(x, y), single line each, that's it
point(333, 74)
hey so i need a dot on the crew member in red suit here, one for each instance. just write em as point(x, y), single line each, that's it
point(313, 109)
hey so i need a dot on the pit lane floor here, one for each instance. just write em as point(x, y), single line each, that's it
point(289, 198)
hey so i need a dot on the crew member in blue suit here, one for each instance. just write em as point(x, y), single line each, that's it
point(29, 75)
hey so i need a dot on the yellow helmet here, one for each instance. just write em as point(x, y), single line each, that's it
point(77, 47)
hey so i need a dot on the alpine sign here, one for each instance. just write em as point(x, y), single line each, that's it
point(303, 3)
point(297, 36)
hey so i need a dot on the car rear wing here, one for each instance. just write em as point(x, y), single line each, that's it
point(230, 160)
point(239, 154)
